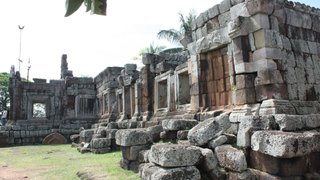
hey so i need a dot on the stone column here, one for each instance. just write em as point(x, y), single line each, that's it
point(138, 102)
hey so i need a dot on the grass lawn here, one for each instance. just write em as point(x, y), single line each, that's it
point(62, 162)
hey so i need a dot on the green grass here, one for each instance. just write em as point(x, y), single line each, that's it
point(63, 162)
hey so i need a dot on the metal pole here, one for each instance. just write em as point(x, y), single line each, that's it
point(21, 28)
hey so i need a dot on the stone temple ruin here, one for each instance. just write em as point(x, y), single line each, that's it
point(241, 103)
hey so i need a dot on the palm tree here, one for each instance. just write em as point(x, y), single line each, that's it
point(174, 35)
point(152, 49)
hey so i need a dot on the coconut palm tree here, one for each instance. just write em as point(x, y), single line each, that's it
point(174, 35)
point(152, 49)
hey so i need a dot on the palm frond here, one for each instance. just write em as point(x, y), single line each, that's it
point(171, 35)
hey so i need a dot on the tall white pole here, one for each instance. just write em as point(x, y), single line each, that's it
point(21, 28)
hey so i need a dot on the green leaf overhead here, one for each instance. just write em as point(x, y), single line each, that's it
point(72, 6)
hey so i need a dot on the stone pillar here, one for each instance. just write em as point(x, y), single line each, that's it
point(138, 102)
point(126, 106)
point(194, 87)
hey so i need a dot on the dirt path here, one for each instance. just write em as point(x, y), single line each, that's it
point(7, 173)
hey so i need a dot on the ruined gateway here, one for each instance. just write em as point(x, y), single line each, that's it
point(242, 103)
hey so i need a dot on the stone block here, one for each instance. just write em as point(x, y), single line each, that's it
point(244, 96)
point(306, 107)
point(16, 134)
point(267, 53)
point(174, 155)
point(239, 10)
point(155, 132)
point(271, 91)
point(112, 125)
point(144, 156)
point(133, 137)
point(100, 143)
point(231, 158)
point(235, 2)
point(268, 76)
point(263, 175)
point(288, 122)
point(178, 124)
point(208, 130)
point(86, 135)
point(111, 133)
point(213, 12)
point(284, 144)
point(312, 121)
point(246, 175)
point(279, 166)
point(130, 67)
point(101, 150)
point(224, 6)
point(220, 140)
point(258, 6)
point(210, 161)
point(129, 165)
point(245, 81)
point(264, 162)
point(224, 18)
point(132, 152)
point(151, 171)
point(168, 135)
point(275, 106)
point(182, 135)
point(268, 39)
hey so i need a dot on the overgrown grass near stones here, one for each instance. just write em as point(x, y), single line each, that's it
point(62, 162)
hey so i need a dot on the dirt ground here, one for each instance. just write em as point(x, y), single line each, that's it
point(7, 173)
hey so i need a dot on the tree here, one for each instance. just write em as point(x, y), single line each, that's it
point(174, 35)
point(98, 7)
point(4, 91)
point(152, 49)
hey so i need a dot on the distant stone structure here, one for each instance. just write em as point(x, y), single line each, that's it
point(241, 103)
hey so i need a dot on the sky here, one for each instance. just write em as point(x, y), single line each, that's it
point(92, 42)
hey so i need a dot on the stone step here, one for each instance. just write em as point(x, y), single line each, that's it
point(285, 144)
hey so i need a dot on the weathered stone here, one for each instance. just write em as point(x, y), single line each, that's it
point(306, 107)
point(182, 134)
point(100, 143)
point(273, 106)
point(208, 130)
point(173, 155)
point(224, 6)
point(257, 6)
point(132, 152)
point(151, 171)
point(312, 121)
point(133, 137)
point(288, 122)
point(86, 135)
point(213, 12)
point(281, 166)
point(231, 158)
point(112, 125)
point(212, 144)
point(210, 161)
point(246, 175)
point(263, 175)
point(239, 10)
point(284, 144)
point(144, 156)
point(75, 138)
point(155, 131)
point(178, 124)
point(101, 150)
point(54, 138)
